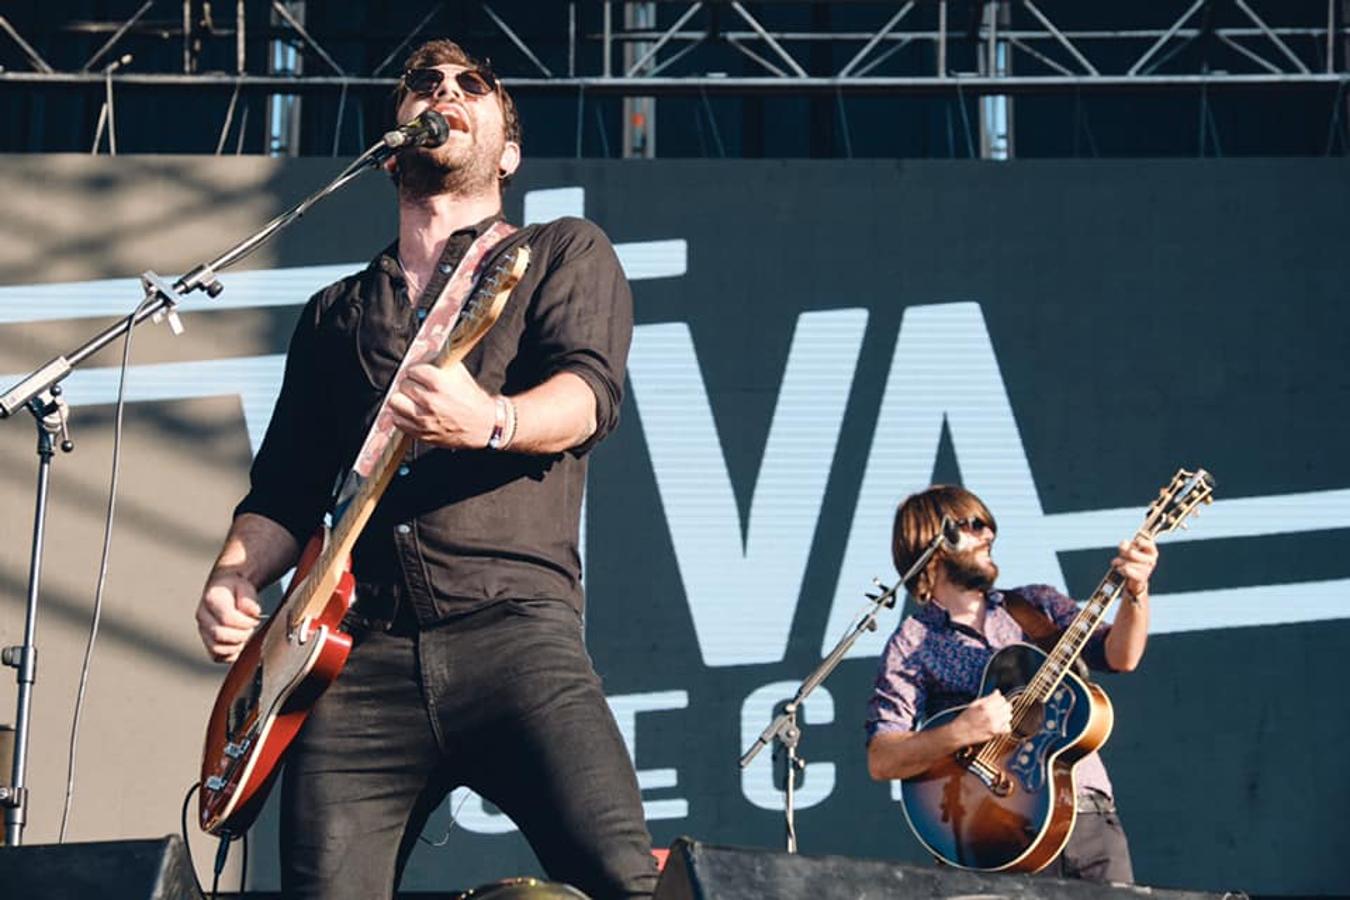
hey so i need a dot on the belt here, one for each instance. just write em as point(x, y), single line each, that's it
point(1094, 801)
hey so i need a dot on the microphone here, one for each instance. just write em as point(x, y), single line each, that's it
point(429, 129)
point(951, 533)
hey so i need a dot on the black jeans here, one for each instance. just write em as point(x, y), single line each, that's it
point(504, 701)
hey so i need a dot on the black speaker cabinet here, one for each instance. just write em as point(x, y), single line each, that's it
point(109, 870)
point(696, 871)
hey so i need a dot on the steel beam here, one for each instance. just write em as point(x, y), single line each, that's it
point(668, 85)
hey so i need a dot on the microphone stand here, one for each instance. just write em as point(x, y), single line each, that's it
point(784, 728)
point(40, 394)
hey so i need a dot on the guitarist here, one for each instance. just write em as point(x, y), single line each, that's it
point(936, 657)
point(469, 666)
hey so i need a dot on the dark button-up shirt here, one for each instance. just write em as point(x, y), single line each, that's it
point(932, 663)
point(456, 530)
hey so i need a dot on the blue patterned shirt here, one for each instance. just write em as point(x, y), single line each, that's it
point(931, 664)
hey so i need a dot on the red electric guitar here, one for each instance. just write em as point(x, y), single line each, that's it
point(292, 659)
point(1009, 804)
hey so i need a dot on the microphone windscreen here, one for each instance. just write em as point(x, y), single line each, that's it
point(438, 130)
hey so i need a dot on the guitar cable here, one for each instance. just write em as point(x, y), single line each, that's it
point(102, 571)
point(222, 852)
point(222, 855)
point(182, 821)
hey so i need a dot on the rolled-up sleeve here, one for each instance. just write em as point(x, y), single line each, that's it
point(900, 688)
point(582, 321)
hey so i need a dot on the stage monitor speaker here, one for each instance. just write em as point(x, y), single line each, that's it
point(154, 869)
point(696, 871)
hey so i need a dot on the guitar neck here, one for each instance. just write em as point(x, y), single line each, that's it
point(328, 568)
point(1075, 637)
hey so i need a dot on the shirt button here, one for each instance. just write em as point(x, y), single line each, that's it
point(446, 268)
point(403, 470)
point(404, 529)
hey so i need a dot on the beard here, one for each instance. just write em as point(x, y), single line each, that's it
point(966, 571)
point(425, 172)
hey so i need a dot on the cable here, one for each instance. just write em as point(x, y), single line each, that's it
point(243, 866)
point(192, 867)
point(102, 572)
point(454, 818)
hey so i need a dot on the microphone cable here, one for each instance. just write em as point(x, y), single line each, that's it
point(102, 571)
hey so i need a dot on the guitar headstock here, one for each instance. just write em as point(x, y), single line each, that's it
point(487, 298)
point(1178, 501)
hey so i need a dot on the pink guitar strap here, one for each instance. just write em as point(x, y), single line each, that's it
point(430, 338)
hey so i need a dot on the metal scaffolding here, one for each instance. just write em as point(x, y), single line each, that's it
point(994, 50)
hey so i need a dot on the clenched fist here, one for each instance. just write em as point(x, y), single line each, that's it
point(986, 717)
point(227, 615)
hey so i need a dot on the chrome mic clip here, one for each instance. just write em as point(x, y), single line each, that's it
point(152, 283)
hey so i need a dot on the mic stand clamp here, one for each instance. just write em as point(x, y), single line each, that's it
point(784, 727)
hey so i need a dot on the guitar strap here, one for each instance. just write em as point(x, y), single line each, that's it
point(431, 336)
point(1039, 628)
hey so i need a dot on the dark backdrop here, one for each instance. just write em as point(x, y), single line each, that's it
point(1069, 334)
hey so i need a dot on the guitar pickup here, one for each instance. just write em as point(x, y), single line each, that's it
point(215, 783)
point(236, 751)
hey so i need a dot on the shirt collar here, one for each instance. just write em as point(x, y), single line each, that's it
point(932, 614)
point(386, 260)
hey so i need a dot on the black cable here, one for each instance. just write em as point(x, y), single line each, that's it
point(222, 856)
point(192, 867)
point(102, 571)
point(243, 866)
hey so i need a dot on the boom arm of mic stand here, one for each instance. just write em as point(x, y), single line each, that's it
point(785, 719)
point(868, 623)
point(161, 299)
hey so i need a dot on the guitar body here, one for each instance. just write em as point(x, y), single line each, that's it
point(266, 697)
point(1016, 814)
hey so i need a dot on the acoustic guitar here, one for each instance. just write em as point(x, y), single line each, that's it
point(1008, 804)
point(289, 662)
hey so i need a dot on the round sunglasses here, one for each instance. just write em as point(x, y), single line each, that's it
point(426, 81)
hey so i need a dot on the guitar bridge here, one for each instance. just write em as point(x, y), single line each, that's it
point(996, 780)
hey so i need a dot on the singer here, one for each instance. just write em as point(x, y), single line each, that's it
point(469, 666)
point(936, 657)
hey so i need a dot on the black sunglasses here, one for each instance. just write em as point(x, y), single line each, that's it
point(426, 81)
point(975, 525)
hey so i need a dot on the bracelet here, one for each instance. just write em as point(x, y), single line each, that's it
point(513, 420)
point(495, 441)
